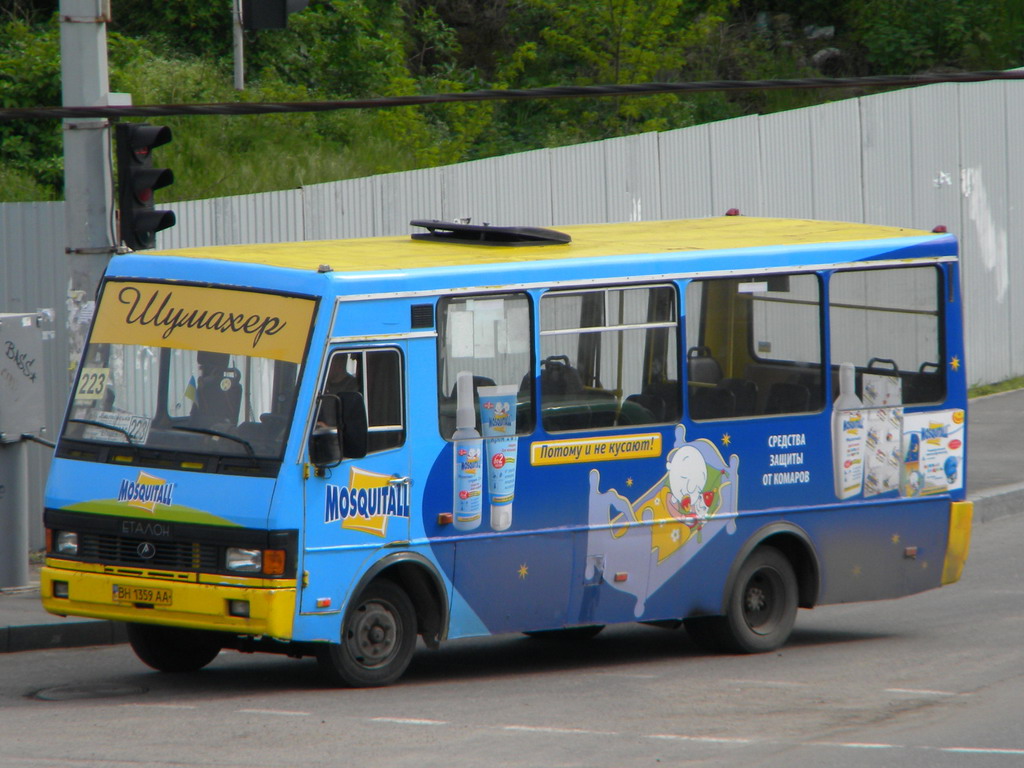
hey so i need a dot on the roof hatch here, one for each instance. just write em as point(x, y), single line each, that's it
point(484, 234)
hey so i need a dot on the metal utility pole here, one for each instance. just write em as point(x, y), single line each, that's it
point(257, 14)
point(88, 188)
point(239, 45)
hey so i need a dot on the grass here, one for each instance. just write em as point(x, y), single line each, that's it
point(999, 386)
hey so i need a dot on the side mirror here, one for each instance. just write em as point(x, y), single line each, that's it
point(325, 448)
point(329, 445)
point(325, 442)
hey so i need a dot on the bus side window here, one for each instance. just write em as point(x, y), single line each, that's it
point(491, 337)
point(888, 322)
point(376, 376)
point(754, 346)
point(609, 357)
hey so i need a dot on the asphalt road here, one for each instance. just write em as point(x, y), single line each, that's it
point(931, 680)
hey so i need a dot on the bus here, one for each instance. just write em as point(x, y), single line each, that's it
point(334, 449)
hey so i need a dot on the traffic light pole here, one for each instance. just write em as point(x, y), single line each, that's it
point(88, 187)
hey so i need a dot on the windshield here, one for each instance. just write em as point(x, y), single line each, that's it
point(181, 373)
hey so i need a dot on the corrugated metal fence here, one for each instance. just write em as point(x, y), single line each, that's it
point(939, 154)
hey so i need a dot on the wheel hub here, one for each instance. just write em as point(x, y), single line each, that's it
point(375, 634)
point(761, 608)
point(755, 599)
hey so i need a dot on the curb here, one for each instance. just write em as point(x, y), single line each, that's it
point(997, 502)
point(76, 634)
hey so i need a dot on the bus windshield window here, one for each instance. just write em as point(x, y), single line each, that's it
point(180, 399)
point(190, 368)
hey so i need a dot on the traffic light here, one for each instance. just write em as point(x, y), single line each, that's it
point(136, 180)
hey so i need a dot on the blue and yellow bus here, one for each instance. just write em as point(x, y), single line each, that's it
point(335, 448)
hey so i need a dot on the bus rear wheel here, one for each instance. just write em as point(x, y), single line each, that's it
point(173, 649)
point(762, 604)
point(378, 638)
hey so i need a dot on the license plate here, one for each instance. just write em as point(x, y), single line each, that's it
point(152, 596)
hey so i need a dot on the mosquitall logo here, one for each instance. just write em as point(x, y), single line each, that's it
point(367, 503)
point(146, 491)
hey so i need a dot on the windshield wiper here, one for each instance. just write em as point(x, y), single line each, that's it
point(112, 427)
point(217, 433)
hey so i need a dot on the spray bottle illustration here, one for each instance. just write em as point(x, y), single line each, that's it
point(847, 436)
point(468, 470)
point(498, 424)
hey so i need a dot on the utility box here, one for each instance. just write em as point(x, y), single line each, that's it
point(22, 396)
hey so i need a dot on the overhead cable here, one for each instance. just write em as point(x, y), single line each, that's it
point(511, 94)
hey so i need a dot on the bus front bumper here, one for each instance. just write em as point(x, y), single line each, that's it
point(237, 605)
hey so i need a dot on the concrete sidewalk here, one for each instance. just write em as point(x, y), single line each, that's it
point(995, 482)
point(25, 626)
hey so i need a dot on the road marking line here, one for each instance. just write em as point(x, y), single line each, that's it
point(853, 745)
point(704, 739)
point(982, 750)
point(922, 692)
point(162, 706)
point(546, 729)
point(278, 712)
point(661, 736)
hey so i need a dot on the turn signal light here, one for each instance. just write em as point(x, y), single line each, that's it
point(273, 562)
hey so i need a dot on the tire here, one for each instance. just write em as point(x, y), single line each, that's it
point(378, 638)
point(173, 649)
point(762, 604)
point(568, 634)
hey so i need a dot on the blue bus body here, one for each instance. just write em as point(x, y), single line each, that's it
point(676, 397)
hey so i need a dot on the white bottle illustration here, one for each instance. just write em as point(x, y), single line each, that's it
point(847, 436)
point(468, 469)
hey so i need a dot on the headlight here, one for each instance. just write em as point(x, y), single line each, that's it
point(245, 560)
point(66, 543)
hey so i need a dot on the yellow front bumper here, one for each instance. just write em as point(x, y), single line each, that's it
point(198, 601)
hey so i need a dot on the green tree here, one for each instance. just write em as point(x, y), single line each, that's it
point(906, 36)
point(31, 153)
point(335, 49)
point(613, 42)
point(180, 52)
point(198, 27)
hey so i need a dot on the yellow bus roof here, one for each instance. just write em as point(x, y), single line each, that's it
point(402, 253)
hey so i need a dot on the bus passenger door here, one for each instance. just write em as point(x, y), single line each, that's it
point(362, 504)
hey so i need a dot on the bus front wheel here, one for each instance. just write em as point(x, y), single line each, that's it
point(378, 638)
point(762, 604)
point(173, 649)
